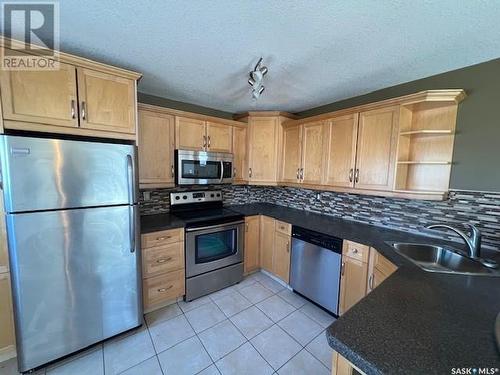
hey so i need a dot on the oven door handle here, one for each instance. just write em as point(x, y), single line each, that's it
point(216, 226)
point(221, 171)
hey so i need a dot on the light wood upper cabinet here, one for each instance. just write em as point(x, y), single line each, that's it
point(219, 137)
point(107, 102)
point(252, 243)
point(44, 97)
point(156, 149)
point(341, 137)
point(267, 243)
point(376, 149)
point(281, 256)
point(312, 153)
point(190, 134)
point(292, 158)
point(263, 146)
point(240, 165)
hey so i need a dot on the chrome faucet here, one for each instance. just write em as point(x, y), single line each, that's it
point(473, 241)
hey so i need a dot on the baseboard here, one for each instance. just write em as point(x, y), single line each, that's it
point(7, 353)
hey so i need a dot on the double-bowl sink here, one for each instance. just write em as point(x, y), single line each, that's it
point(434, 258)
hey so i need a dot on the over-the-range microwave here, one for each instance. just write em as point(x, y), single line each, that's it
point(203, 168)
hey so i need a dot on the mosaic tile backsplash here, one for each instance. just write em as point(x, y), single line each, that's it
point(480, 209)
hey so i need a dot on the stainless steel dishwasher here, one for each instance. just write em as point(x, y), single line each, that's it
point(315, 268)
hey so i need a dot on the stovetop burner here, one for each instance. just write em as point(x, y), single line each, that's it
point(201, 208)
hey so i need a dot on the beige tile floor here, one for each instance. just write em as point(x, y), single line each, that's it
point(255, 327)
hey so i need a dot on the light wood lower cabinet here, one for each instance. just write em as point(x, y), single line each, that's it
point(162, 267)
point(274, 245)
point(266, 243)
point(281, 256)
point(156, 149)
point(7, 337)
point(341, 366)
point(354, 273)
point(363, 269)
point(252, 244)
point(380, 268)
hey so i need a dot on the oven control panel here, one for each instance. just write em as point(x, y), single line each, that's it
point(184, 197)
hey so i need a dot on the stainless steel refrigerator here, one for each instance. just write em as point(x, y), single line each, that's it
point(73, 238)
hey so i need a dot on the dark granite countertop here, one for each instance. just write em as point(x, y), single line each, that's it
point(155, 223)
point(415, 321)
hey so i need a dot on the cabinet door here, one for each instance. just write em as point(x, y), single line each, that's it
point(266, 243)
point(6, 320)
point(291, 156)
point(252, 242)
point(44, 97)
point(190, 134)
point(240, 165)
point(107, 102)
point(312, 153)
point(352, 282)
point(156, 149)
point(341, 151)
point(376, 149)
point(263, 148)
point(379, 269)
point(281, 256)
point(219, 137)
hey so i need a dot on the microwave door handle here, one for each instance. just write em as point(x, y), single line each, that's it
point(221, 171)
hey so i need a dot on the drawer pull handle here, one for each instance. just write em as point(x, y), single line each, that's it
point(163, 260)
point(163, 290)
point(163, 238)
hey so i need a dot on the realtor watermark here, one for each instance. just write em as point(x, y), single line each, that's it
point(32, 35)
point(475, 371)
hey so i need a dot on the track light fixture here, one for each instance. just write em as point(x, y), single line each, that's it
point(256, 77)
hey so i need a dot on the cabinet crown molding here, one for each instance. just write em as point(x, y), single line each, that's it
point(198, 116)
point(446, 96)
point(74, 60)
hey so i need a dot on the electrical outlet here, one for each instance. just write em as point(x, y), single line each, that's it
point(146, 195)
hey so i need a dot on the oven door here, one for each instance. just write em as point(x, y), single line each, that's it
point(214, 247)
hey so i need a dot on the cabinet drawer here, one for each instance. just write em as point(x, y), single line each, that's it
point(162, 288)
point(162, 238)
point(356, 251)
point(383, 265)
point(161, 259)
point(283, 227)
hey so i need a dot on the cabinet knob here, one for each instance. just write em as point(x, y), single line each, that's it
point(163, 290)
point(355, 251)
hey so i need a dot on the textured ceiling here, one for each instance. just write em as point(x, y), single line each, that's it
point(317, 51)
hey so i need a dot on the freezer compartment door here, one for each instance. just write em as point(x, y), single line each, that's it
point(46, 174)
point(75, 277)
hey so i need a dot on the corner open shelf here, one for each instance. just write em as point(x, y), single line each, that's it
point(425, 146)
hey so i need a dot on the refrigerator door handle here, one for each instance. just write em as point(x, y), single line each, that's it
point(131, 179)
point(131, 210)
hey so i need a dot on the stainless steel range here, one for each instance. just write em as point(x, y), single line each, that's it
point(215, 238)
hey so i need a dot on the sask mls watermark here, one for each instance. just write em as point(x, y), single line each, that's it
point(32, 32)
